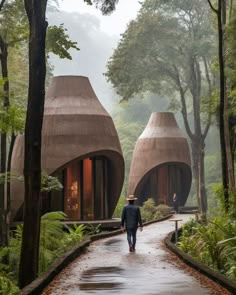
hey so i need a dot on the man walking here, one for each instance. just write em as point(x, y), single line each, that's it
point(130, 219)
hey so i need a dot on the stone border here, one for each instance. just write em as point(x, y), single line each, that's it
point(37, 286)
point(202, 268)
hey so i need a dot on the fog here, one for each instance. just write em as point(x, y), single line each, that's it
point(95, 49)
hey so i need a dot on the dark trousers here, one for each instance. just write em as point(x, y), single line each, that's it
point(131, 236)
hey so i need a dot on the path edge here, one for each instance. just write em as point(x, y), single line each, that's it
point(200, 267)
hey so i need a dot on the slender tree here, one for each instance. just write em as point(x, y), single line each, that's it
point(226, 151)
point(3, 58)
point(2, 154)
point(36, 11)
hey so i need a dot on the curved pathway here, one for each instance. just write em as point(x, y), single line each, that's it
point(108, 268)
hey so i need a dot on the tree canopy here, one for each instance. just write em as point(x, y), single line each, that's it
point(168, 49)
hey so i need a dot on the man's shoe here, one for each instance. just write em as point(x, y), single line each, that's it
point(131, 249)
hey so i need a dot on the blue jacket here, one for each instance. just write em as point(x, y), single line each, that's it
point(131, 216)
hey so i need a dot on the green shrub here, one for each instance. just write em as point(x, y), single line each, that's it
point(91, 229)
point(213, 243)
point(51, 238)
point(157, 215)
point(163, 209)
point(7, 286)
point(54, 242)
point(150, 211)
point(74, 236)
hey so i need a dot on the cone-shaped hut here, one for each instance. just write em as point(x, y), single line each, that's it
point(80, 146)
point(161, 164)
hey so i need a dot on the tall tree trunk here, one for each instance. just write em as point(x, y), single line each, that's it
point(228, 148)
point(34, 118)
point(2, 190)
point(6, 103)
point(226, 156)
point(226, 152)
point(199, 174)
point(8, 191)
point(197, 138)
point(202, 186)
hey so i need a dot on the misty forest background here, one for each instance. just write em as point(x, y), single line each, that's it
point(130, 117)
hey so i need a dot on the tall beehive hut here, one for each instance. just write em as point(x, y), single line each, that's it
point(161, 164)
point(81, 147)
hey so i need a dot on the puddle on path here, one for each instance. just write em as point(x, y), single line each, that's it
point(102, 278)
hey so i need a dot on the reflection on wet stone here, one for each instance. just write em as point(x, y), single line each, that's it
point(101, 278)
point(112, 241)
point(113, 245)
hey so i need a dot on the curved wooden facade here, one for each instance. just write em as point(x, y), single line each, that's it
point(80, 145)
point(161, 164)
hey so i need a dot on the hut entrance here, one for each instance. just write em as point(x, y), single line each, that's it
point(161, 183)
point(84, 196)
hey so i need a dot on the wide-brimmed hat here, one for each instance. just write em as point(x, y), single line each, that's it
point(131, 198)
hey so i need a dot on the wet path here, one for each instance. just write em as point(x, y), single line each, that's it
point(108, 268)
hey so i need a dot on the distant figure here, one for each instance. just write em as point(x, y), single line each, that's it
point(175, 203)
point(130, 219)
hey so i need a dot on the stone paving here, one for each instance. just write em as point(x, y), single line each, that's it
point(108, 268)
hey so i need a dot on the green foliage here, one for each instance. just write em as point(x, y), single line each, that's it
point(106, 6)
point(143, 62)
point(150, 211)
point(7, 287)
point(14, 24)
point(231, 52)
point(75, 235)
point(213, 243)
point(91, 229)
point(12, 119)
point(50, 183)
point(54, 242)
point(51, 235)
point(187, 241)
point(163, 209)
point(58, 42)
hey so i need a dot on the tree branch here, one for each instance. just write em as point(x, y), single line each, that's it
point(1, 4)
point(212, 7)
point(209, 96)
point(183, 102)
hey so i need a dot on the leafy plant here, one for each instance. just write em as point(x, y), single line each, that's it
point(54, 242)
point(75, 235)
point(213, 243)
point(51, 235)
point(91, 229)
point(50, 183)
point(7, 286)
point(150, 211)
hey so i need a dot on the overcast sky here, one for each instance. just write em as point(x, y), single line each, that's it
point(113, 24)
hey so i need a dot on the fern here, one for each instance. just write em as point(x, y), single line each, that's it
point(7, 286)
point(51, 234)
